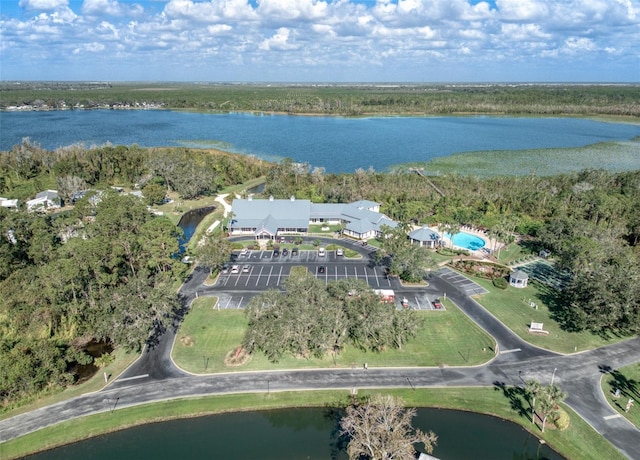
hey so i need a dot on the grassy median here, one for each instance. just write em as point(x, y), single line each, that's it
point(447, 338)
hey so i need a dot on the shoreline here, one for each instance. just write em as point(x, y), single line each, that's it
point(600, 117)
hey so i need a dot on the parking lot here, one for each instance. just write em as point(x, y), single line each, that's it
point(260, 270)
point(255, 271)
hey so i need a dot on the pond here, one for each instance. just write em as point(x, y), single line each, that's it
point(190, 221)
point(305, 433)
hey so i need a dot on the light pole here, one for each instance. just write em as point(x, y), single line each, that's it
point(553, 376)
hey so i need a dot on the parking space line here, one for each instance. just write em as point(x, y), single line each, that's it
point(279, 276)
point(366, 276)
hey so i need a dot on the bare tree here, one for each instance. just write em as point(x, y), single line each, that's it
point(380, 429)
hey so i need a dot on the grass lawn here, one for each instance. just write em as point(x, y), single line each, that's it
point(448, 338)
point(512, 307)
point(579, 441)
point(627, 380)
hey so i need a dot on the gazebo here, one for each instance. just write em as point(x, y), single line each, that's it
point(518, 279)
point(425, 236)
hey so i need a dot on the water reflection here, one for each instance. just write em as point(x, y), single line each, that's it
point(189, 222)
point(305, 433)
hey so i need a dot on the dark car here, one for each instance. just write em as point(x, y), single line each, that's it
point(276, 252)
point(294, 252)
point(285, 252)
point(321, 269)
point(437, 304)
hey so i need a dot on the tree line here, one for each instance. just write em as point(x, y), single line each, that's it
point(351, 100)
point(27, 169)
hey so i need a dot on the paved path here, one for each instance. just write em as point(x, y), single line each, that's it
point(153, 376)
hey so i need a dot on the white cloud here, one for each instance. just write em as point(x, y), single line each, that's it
point(110, 8)
point(522, 10)
point(298, 34)
point(287, 10)
point(43, 5)
point(279, 41)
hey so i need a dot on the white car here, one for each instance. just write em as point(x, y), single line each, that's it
point(339, 252)
point(244, 252)
point(235, 269)
point(246, 269)
point(321, 252)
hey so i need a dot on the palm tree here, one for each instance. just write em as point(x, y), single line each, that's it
point(551, 397)
point(533, 388)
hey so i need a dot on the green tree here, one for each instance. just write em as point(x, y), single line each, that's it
point(154, 193)
point(533, 389)
point(551, 396)
point(214, 251)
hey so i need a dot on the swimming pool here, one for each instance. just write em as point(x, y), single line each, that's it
point(467, 241)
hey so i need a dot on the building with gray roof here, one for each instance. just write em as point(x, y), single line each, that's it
point(268, 219)
point(425, 237)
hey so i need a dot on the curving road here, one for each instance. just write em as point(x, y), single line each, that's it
point(153, 377)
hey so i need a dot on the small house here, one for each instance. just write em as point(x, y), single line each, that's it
point(9, 204)
point(48, 199)
point(518, 279)
point(425, 237)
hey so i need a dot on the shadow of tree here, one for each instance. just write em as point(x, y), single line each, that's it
point(628, 387)
point(560, 309)
point(516, 396)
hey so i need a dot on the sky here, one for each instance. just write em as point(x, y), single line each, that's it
point(321, 40)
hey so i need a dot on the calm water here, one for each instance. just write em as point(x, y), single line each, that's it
point(338, 144)
point(298, 434)
point(467, 240)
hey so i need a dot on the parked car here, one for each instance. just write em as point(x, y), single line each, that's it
point(294, 252)
point(437, 304)
point(244, 252)
point(225, 268)
point(322, 252)
point(321, 269)
point(404, 302)
point(246, 269)
point(339, 252)
point(276, 252)
point(235, 269)
point(285, 252)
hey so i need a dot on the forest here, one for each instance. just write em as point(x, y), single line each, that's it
point(105, 270)
point(333, 99)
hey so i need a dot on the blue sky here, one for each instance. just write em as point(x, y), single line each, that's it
point(321, 41)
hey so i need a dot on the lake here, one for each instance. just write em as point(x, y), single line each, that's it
point(340, 145)
point(298, 434)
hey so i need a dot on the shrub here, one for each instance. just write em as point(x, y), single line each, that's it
point(500, 283)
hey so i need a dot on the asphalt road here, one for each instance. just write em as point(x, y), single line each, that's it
point(154, 377)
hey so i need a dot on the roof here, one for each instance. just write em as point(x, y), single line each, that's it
point(519, 275)
point(48, 194)
point(273, 214)
point(424, 234)
point(267, 213)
